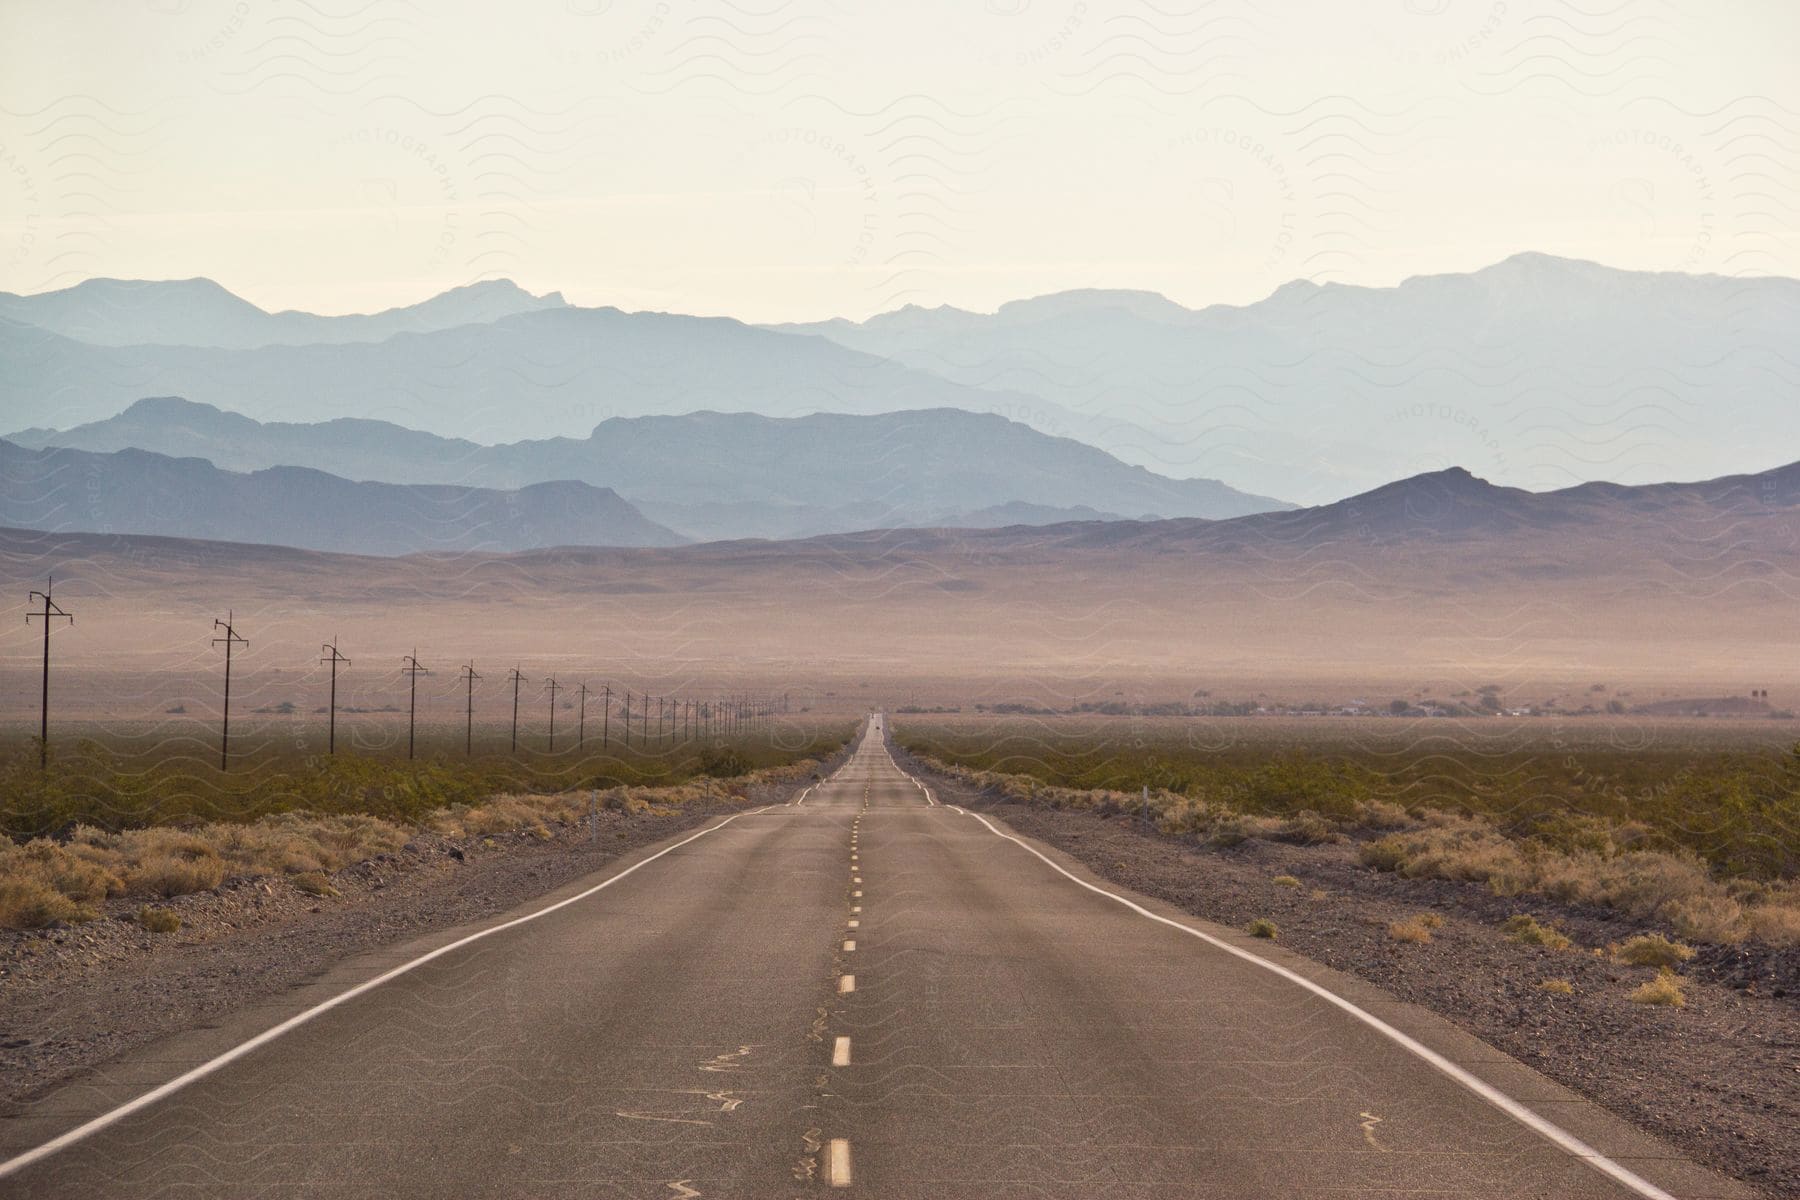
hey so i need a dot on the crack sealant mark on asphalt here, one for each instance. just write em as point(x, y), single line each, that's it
point(1370, 1121)
point(808, 1167)
point(644, 1116)
point(728, 1061)
point(725, 1100)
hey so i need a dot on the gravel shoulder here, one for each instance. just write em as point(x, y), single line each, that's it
point(76, 998)
point(1718, 1078)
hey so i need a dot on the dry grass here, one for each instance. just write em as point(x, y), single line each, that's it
point(1577, 858)
point(1413, 930)
point(1525, 930)
point(1665, 990)
point(1286, 881)
point(1262, 927)
point(158, 920)
point(314, 883)
point(1608, 868)
point(1557, 987)
point(32, 903)
point(1653, 950)
point(1776, 924)
point(44, 881)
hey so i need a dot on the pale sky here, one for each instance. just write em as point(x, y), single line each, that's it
point(791, 161)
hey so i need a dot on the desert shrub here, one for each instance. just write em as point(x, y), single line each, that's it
point(1385, 854)
point(1413, 931)
point(1306, 828)
point(314, 884)
point(1735, 808)
point(1381, 814)
point(1572, 832)
point(43, 881)
point(1640, 882)
point(158, 920)
point(76, 875)
point(151, 779)
point(169, 873)
point(1708, 916)
point(1653, 950)
point(1525, 930)
point(1462, 849)
point(1234, 830)
point(29, 902)
point(1665, 989)
point(502, 814)
point(1557, 987)
point(1262, 927)
point(1777, 923)
point(1286, 881)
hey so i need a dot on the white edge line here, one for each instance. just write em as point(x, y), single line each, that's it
point(929, 800)
point(1486, 1091)
point(83, 1131)
point(821, 782)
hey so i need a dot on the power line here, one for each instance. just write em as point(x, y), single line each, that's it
point(51, 612)
point(230, 639)
point(332, 656)
point(412, 670)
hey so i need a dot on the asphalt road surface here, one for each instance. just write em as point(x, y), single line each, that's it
point(864, 990)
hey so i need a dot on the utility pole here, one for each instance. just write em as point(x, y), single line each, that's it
point(581, 718)
point(412, 670)
point(517, 679)
point(628, 717)
point(554, 688)
point(230, 639)
point(606, 718)
point(330, 651)
point(50, 613)
point(470, 677)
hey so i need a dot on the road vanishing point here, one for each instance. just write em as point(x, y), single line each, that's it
point(861, 992)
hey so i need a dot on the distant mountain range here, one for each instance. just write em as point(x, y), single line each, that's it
point(546, 373)
point(198, 312)
point(1441, 579)
point(1536, 371)
point(1539, 371)
point(715, 475)
point(137, 492)
point(1753, 515)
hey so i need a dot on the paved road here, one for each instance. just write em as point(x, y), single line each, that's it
point(864, 990)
